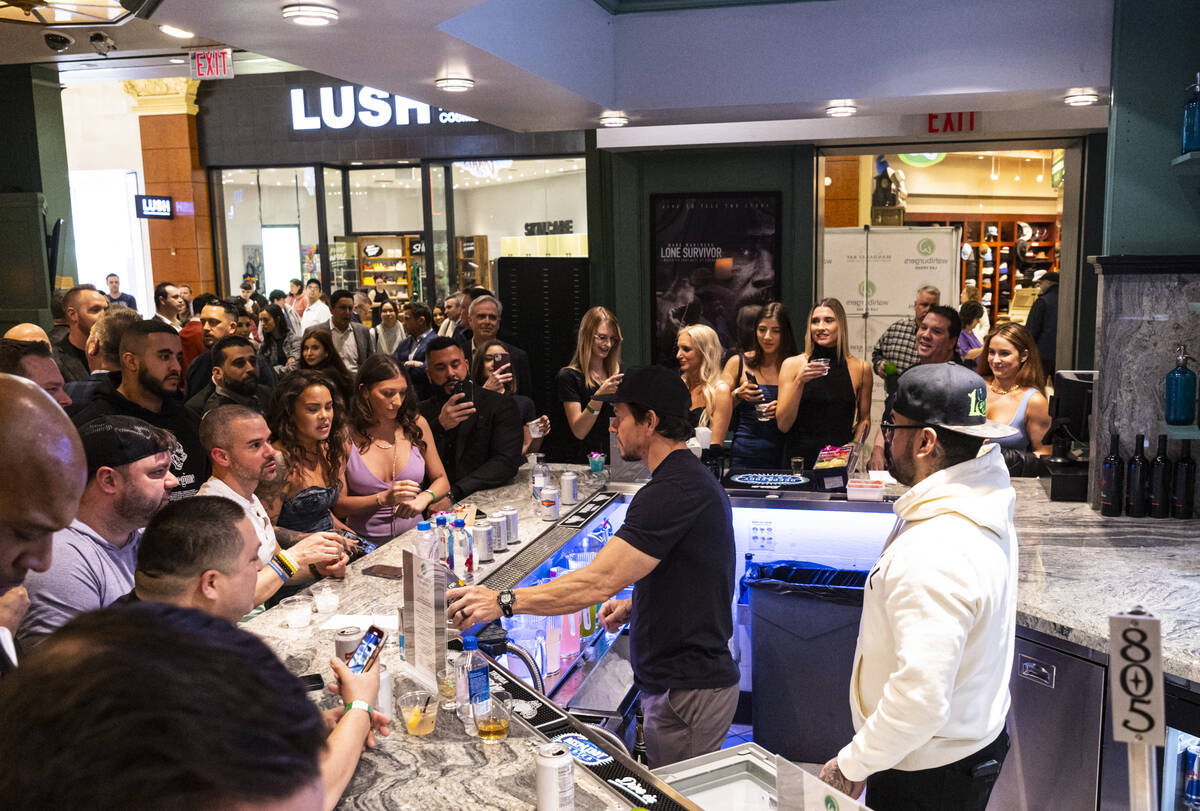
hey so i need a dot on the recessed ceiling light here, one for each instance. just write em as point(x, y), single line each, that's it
point(178, 33)
point(454, 84)
point(614, 119)
point(309, 14)
point(176, 60)
point(356, 163)
point(1082, 98)
point(840, 108)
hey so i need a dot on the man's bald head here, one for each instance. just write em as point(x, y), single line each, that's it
point(28, 332)
point(41, 480)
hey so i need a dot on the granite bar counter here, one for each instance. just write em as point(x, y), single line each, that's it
point(448, 768)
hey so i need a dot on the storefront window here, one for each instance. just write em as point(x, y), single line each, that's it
point(386, 201)
point(440, 228)
point(271, 226)
point(335, 209)
point(516, 208)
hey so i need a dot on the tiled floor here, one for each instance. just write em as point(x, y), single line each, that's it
point(738, 733)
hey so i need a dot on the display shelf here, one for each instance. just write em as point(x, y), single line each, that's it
point(471, 261)
point(397, 258)
point(1179, 431)
point(1187, 164)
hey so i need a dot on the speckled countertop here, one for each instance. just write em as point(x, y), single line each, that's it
point(448, 768)
point(1078, 567)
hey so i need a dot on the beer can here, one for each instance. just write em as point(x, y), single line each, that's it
point(345, 642)
point(499, 533)
point(483, 542)
point(383, 702)
point(555, 778)
point(1191, 785)
point(549, 504)
point(568, 483)
point(510, 515)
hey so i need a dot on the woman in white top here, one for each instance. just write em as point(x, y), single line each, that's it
point(388, 333)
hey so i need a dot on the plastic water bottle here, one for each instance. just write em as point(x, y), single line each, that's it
point(476, 671)
point(540, 474)
point(443, 535)
point(427, 545)
point(464, 561)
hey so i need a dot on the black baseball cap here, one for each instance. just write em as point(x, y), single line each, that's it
point(950, 396)
point(117, 440)
point(654, 387)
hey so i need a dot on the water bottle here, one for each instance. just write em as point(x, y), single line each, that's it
point(443, 535)
point(464, 562)
point(426, 545)
point(476, 670)
point(1179, 406)
point(540, 475)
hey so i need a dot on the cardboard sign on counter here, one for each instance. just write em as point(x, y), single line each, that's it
point(424, 616)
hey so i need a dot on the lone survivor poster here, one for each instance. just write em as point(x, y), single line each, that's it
point(714, 256)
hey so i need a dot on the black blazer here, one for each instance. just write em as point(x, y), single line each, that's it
point(484, 451)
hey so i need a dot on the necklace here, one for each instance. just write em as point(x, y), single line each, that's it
point(1003, 392)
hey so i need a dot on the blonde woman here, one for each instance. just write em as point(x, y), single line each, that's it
point(594, 370)
point(1013, 370)
point(699, 355)
point(825, 393)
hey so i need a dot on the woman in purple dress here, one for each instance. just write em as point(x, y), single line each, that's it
point(392, 472)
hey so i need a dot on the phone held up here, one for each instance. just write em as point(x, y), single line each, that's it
point(368, 649)
point(466, 388)
point(500, 360)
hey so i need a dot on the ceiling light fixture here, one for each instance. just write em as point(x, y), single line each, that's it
point(614, 119)
point(995, 175)
point(840, 108)
point(178, 33)
point(176, 61)
point(1082, 98)
point(1042, 173)
point(309, 14)
point(454, 84)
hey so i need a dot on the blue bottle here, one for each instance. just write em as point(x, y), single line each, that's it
point(1179, 405)
point(1191, 120)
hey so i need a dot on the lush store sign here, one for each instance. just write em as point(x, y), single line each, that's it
point(338, 108)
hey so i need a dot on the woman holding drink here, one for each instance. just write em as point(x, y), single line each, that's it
point(824, 394)
point(752, 380)
point(391, 455)
point(594, 370)
point(491, 368)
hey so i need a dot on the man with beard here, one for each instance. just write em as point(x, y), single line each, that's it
point(150, 382)
point(676, 547)
point(218, 319)
point(234, 379)
point(129, 480)
point(169, 304)
point(238, 442)
point(42, 455)
point(82, 305)
point(929, 690)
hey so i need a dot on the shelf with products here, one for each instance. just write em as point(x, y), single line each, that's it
point(471, 262)
point(396, 258)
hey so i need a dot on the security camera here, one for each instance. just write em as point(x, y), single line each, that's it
point(102, 43)
point(57, 41)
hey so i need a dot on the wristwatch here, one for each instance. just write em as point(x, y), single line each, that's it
point(506, 599)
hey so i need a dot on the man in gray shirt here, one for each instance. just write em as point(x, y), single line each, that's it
point(129, 480)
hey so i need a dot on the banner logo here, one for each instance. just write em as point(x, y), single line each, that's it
point(926, 247)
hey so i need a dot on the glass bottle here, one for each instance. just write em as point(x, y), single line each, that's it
point(1184, 489)
point(1179, 406)
point(1112, 480)
point(1160, 481)
point(1191, 120)
point(1138, 482)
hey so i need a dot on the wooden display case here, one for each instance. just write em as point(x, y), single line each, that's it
point(398, 258)
point(471, 262)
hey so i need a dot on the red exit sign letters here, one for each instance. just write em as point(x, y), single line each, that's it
point(950, 122)
point(214, 63)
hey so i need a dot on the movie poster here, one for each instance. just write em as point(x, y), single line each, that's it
point(713, 255)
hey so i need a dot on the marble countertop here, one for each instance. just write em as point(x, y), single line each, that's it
point(1077, 567)
point(448, 768)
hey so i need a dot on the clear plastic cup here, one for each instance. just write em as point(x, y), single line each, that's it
point(419, 709)
point(326, 596)
point(297, 611)
point(447, 682)
point(493, 716)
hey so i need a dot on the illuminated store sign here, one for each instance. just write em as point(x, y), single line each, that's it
point(339, 107)
point(150, 207)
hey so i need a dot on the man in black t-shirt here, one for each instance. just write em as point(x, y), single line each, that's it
point(676, 547)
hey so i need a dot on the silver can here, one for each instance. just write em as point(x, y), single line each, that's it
point(555, 778)
point(483, 542)
point(568, 484)
point(345, 642)
point(549, 504)
point(510, 515)
point(499, 533)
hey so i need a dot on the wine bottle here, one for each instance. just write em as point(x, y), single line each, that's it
point(1137, 483)
point(1112, 480)
point(1184, 489)
point(1160, 481)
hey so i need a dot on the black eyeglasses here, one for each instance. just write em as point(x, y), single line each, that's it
point(888, 428)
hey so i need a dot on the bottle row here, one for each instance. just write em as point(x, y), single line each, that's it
point(1157, 488)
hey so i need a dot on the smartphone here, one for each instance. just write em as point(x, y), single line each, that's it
point(368, 649)
point(386, 572)
point(466, 388)
point(312, 682)
point(500, 360)
point(750, 376)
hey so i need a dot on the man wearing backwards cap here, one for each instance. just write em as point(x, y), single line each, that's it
point(676, 547)
point(929, 691)
point(129, 480)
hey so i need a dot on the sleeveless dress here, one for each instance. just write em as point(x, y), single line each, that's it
point(308, 510)
point(1019, 441)
point(825, 415)
point(379, 526)
point(756, 444)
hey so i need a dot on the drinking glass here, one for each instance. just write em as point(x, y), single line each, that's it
point(297, 611)
point(535, 429)
point(761, 411)
point(798, 465)
point(493, 716)
point(419, 709)
point(447, 682)
point(326, 596)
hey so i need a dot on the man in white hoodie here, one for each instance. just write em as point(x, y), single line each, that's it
point(929, 688)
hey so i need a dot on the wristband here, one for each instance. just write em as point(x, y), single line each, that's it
point(279, 571)
point(432, 495)
point(285, 564)
point(358, 704)
point(588, 408)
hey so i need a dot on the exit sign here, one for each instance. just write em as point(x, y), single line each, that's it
point(950, 122)
point(212, 63)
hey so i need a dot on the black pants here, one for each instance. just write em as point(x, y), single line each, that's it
point(964, 785)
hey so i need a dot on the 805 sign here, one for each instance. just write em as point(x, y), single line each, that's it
point(1135, 675)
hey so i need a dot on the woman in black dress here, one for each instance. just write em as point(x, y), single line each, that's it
point(594, 370)
point(825, 393)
